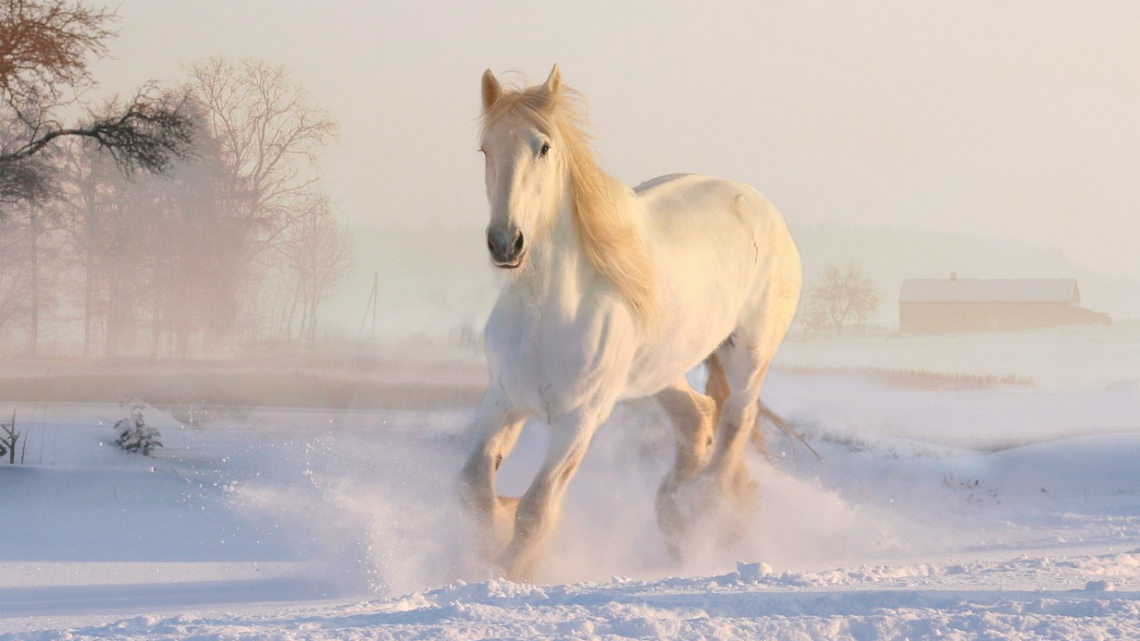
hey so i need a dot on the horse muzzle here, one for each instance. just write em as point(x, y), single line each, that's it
point(507, 247)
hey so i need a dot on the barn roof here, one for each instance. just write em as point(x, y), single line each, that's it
point(1023, 290)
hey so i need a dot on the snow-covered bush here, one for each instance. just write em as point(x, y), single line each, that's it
point(133, 434)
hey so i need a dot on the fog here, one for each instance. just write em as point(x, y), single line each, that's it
point(998, 135)
point(308, 338)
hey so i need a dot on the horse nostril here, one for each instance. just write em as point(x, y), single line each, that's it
point(505, 247)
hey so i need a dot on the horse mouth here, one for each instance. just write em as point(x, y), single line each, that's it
point(509, 265)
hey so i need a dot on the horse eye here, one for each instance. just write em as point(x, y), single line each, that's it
point(545, 149)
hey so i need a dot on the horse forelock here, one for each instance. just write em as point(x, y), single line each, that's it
point(601, 205)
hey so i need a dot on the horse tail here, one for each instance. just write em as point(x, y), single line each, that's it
point(788, 430)
point(716, 388)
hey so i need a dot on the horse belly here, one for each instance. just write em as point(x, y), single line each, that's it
point(660, 362)
point(697, 315)
point(709, 255)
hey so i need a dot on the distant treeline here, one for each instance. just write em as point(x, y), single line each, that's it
point(231, 244)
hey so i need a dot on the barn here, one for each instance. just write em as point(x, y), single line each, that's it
point(959, 305)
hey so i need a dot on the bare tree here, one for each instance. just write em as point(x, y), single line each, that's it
point(143, 134)
point(15, 281)
point(195, 251)
point(45, 45)
point(269, 135)
point(320, 255)
point(175, 255)
point(44, 49)
point(86, 186)
point(155, 253)
point(21, 180)
point(843, 296)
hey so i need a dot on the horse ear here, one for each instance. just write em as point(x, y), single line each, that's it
point(553, 82)
point(491, 89)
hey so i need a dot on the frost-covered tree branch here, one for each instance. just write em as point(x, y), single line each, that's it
point(44, 49)
point(145, 135)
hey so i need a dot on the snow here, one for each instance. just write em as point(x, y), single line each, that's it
point(1008, 512)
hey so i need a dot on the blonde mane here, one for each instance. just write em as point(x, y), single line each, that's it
point(600, 203)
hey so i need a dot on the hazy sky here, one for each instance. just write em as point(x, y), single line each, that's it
point(997, 119)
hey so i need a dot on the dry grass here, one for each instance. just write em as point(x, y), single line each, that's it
point(241, 389)
point(392, 386)
point(924, 380)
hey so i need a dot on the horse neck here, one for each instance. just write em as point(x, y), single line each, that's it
point(564, 272)
point(559, 273)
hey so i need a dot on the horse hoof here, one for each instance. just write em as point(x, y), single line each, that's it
point(707, 509)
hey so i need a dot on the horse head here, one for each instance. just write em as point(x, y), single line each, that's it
point(525, 166)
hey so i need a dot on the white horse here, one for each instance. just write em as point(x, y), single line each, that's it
point(615, 293)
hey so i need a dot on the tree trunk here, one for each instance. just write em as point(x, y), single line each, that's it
point(293, 297)
point(156, 314)
point(183, 342)
point(88, 295)
point(111, 342)
point(88, 190)
point(313, 320)
point(170, 336)
point(34, 328)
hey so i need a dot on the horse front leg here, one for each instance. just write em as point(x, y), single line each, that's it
point(497, 429)
point(540, 506)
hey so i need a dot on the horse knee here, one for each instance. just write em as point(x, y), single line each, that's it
point(476, 485)
point(736, 422)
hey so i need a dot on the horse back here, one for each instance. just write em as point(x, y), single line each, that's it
point(712, 219)
point(721, 249)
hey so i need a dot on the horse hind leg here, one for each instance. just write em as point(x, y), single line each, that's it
point(744, 363)
point(717, 388)
point(693, 416)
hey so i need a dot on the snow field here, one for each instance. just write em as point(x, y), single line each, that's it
point(1009, 513)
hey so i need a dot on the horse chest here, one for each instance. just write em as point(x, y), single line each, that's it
point(551, 365)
